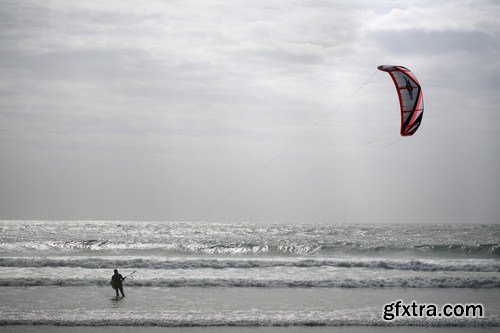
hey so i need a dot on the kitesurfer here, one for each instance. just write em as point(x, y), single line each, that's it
point(117, 282)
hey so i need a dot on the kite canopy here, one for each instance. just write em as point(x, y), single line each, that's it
point(411, 101)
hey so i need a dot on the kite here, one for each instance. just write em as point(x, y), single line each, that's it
point(411, 101)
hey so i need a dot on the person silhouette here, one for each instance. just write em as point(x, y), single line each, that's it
point(117, 282)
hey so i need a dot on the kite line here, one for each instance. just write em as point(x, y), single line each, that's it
point(301, 189)
point(252, 176)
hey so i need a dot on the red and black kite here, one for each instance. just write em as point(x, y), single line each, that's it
point(411, 101)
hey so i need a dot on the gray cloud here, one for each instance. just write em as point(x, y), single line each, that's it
point(430, 43)
point(121, 110)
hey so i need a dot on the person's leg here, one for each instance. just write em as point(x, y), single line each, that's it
point(121, 290)
point(116, 292)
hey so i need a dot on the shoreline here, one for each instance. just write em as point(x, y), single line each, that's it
point(256, 329)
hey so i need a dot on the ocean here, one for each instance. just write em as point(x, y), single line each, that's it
point(262, 277)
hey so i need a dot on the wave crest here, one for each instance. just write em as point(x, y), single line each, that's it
point(340, 282)
point(466, 265)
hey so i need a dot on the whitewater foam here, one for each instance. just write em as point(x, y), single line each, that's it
point(334, 282)
point(465, 265)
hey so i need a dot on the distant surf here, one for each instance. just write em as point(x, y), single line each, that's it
point(171, 239)
point(228, 248)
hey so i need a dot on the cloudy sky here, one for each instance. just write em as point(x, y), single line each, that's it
point(247, 111)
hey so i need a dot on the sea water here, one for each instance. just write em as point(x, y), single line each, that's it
point(242, 274)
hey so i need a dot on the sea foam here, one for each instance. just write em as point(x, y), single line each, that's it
point(338, 282)
point(465, 265)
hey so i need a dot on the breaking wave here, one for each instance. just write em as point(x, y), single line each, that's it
point(338, 282)
point(466, 265)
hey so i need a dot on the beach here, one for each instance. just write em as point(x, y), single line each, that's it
point(341, 329)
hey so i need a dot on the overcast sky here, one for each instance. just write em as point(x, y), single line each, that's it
point(191, 110)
